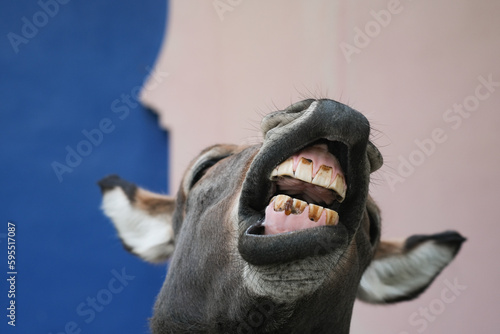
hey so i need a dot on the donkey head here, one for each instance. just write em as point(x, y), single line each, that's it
point(285, 230)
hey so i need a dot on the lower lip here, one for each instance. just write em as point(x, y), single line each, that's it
point(259, 249)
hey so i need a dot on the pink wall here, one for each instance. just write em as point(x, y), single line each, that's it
point(409, 77)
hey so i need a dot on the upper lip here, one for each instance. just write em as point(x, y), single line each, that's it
point(258, 189)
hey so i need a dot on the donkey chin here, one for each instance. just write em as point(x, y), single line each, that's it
point(280, 237)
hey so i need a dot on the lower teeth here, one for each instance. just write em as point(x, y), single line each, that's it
point(295, 206)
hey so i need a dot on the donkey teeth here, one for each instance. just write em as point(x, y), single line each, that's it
point(304, 170)
point(274, 173)
point(288, 204)
point(332, 217)
point(323, 177)
point(284, 169)
point(295, 206)
point(315, 212)
point(280, 202)
point(338, 185)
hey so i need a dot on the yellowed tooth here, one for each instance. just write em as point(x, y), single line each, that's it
point(280, 202)
point(304, 170)
point(295, 206)
point(339, 186)
point(288, 206)
point(315, 212)
point(274, 173)
point(298, 206)
point(286, 168)
point(323, 177)
point(272, 199)
point(283, 203)
point(331, 217)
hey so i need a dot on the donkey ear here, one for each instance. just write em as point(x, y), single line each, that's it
point(143, 219)
point(403, 270)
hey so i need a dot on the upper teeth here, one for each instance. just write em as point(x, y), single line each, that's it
point(304, 171)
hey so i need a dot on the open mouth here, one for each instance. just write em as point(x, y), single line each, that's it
point(304, 192)
point(300, 207)
point(309, 189)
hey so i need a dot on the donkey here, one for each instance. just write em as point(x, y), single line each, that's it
point(280, 237)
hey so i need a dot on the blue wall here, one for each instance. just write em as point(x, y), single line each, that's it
point(66, 68)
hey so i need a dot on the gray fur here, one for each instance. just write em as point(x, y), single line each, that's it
point(225, 277)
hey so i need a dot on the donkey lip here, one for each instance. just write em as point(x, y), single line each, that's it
point(259, 249)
